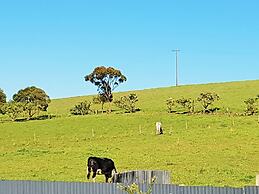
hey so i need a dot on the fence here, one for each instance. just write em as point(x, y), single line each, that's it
point(41, 187)
point(142, 177)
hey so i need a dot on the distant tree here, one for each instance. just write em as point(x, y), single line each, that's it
point(170, 103)
point(186, 103)
point(82, 108)
point(106, 79)
point(128, 103)
point(13, 109)
point(251, 106)
point(34, 100)
point(2, 100)
point(207, 99)
point(2, 97)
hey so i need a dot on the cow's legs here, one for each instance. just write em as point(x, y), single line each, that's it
point(89, 172)
point(107, 176)
point(94, 173)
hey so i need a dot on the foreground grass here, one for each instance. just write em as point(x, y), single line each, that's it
point(210, 150)
point(214, 150)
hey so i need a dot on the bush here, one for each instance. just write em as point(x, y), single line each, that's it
point(186, 103)
point(128, 103)
point(206, 100)
point(100, 99)
point(13, 109)
point(134, 188)
point(83, 108)
point(170, 102)
point(251, 106)
point(2, 97)
point(2, 100)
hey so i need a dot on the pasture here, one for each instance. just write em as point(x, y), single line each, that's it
point(199, 149)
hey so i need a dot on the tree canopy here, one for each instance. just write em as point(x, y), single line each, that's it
point(33, 99)
point(106, 79)
point(33, 95)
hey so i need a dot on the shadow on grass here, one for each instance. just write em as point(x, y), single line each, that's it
point(38, 118)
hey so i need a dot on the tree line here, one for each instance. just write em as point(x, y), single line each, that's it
point(29, 102)
point(126, 103)
point(107, 79)
point(189, 106)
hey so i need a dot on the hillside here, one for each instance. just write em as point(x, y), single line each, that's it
point(232, 95)
point(197, 149)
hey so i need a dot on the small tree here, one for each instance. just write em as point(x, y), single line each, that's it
point(2, 97)
point(82, 108)
point(251, 106)
point(2, 100)
point(34, 100)
point(128, 103)
point(100, 99)
point(186, 103)
point(207, 99)
point(170, 103)
point(13, 109)
point(106, 80)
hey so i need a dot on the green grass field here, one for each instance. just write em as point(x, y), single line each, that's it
point(214, 150)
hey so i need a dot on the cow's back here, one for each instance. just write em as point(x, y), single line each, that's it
point(107, 164)
point(101, 163)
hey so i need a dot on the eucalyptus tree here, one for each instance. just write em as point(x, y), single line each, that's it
point(107, 79)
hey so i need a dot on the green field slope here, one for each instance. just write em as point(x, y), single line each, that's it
point(199, 149)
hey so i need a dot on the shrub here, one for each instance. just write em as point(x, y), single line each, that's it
point(100, 99)
point(207, 99)
point(134, 188)
point(170, 102)
point(13, 109)
point(83, 108)
point(251, 106)
point(2, 100)
point(186, 103)
point(128, 103)
point(2, 97)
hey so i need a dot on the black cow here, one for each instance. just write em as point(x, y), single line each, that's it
point(100, 165)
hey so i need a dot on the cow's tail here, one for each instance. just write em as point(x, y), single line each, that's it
point(114, 171)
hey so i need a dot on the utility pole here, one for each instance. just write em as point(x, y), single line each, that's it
point(176, 65)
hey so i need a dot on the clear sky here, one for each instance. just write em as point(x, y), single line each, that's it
point(53, 44)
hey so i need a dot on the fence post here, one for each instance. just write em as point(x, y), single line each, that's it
point(257, 179)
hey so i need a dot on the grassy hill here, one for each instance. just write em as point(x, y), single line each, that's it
point(197, 149)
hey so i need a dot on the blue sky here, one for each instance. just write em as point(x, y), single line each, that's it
point(53, 44)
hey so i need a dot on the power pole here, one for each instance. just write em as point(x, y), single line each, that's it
point(176, 65)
